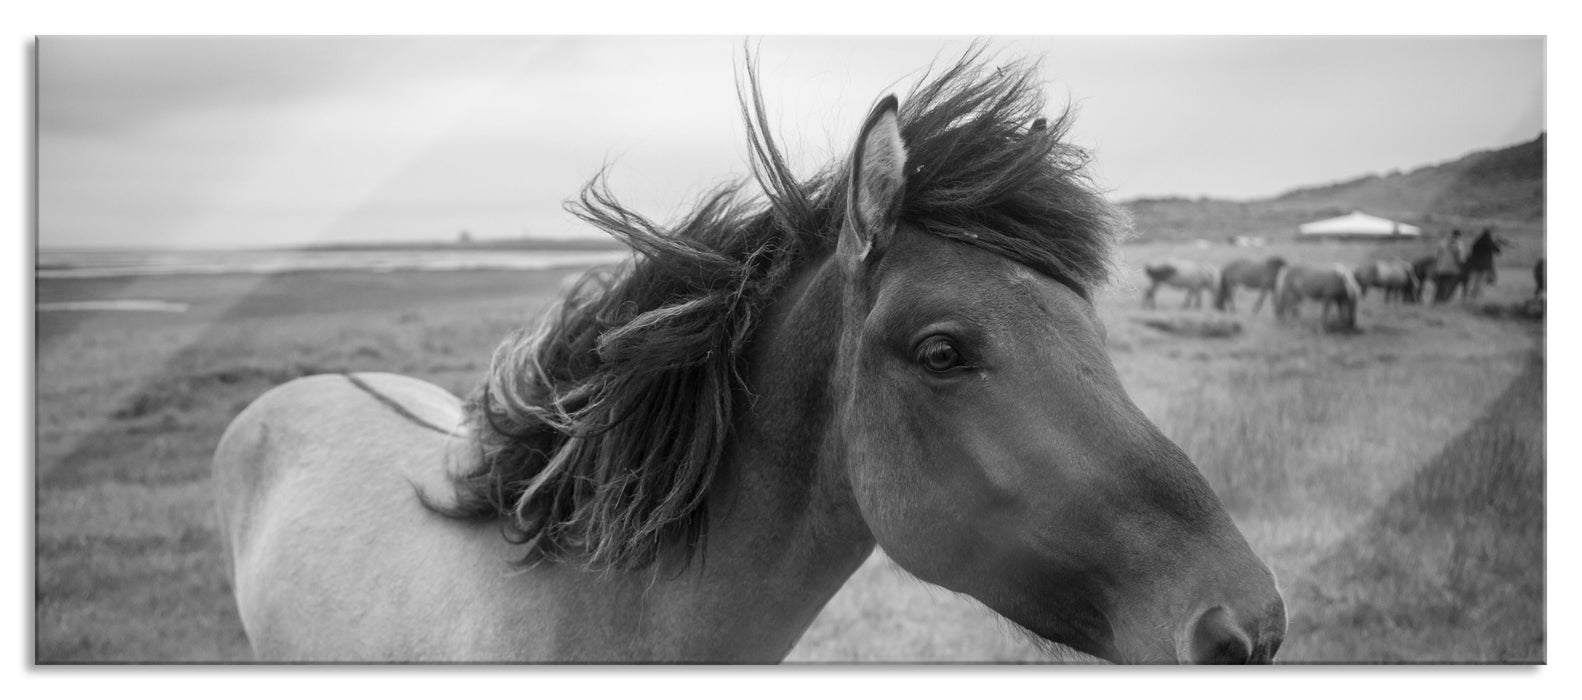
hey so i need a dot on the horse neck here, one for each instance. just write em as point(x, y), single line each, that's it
point(789, 508)
point(785, 533)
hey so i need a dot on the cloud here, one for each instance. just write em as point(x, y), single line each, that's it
point(108, 85)
point(268, 140)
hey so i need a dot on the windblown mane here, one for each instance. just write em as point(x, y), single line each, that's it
point(600, 432)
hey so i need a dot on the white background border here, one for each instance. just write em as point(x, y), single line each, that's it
point(737, 17)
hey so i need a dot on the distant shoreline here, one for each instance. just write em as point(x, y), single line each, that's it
point(384, 258)
point(533, 244)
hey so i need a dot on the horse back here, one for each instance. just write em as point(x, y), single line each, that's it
point(1396, 273)
point(1160, 272)
point(1317, 282)
point(316, 482)
point(1183, 273)
point(1240, 269)
point(302, 425)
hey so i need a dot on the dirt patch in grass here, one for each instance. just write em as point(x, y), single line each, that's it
point(1196, 327)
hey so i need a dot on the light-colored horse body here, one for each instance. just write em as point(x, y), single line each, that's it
point(1396, 277)
point(334, 558)
point(1190, 275)
point(1334, 286)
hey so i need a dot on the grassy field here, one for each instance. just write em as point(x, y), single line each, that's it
point(1393, 478)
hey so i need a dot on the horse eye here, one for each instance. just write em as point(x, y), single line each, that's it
point(938, 355)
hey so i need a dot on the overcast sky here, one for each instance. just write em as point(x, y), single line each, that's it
point(273, 141)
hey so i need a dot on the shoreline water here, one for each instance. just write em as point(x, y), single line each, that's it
point(159, 305)
point(104, 264)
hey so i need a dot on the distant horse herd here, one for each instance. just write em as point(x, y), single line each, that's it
point(1337, 287)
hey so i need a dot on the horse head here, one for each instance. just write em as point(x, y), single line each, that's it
point(991, 449)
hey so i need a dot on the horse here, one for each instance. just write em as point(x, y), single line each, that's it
point(1479, 266)
point(1449, 267)
point(1396, 277)
point(1423, 270)
point(1333, 285)
point(1194, 277)
point(1535, 304)
point(1445, 286)
point(685, 461)
point(1259, 275)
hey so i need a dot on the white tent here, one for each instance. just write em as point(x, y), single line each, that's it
point(1358, 224)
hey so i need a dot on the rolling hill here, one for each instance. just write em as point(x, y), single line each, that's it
point(1503, 188)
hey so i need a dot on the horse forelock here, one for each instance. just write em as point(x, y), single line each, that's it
point(978, 174)
point(601, 431)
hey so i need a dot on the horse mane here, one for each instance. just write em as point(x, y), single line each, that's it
point(600, 431)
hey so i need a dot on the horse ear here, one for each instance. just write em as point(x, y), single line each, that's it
point(878, 179)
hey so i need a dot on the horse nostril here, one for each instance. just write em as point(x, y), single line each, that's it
point(1217, 639)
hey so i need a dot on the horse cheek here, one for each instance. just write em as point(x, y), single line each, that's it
point(905, 471)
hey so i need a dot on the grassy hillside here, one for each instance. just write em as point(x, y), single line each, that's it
point(1502, 188)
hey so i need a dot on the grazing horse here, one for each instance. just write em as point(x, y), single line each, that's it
point(1194, 277)
point(1334, 285)
point(685, 461)
point(1395, 277)
point(1257, 274)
